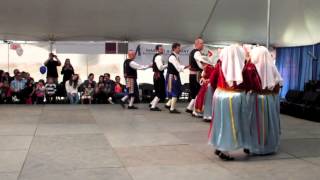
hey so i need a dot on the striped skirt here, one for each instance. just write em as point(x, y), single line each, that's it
point(130, 85)
point(264, 123)
point(228, 130)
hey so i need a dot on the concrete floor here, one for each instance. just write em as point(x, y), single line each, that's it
point(105, 142)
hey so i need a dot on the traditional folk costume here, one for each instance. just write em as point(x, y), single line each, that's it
point(228, 130)
point(203, 102)
point(195, 59)
point(264, 121)
point(158, 80)
point(173, 81)
point(130, 74)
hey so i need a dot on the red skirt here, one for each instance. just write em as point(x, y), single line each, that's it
point(199, 104)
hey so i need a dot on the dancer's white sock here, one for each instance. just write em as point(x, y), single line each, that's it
point(131, 101)
point(155, 102)
point(191, 104)
point(173, 103)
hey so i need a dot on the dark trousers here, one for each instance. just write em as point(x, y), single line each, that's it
point(160, 87)
point(50, 99)
point(194, 86)
point(39, 100)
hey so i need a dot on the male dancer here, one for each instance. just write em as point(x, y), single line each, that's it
point(195, 60)
point(130, 68)
point(158, 78)
point(173, 78)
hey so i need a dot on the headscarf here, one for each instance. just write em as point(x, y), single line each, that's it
point(269, 75)
point(232, 59)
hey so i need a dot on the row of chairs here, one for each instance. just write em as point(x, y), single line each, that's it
point(302, 104)
point(146, 92)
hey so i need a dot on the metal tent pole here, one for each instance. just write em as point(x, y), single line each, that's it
point(8, 57)
point(268, 23)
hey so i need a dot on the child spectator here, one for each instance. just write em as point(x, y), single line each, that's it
point(51, 89)
point(88, 94)
point(40, 92)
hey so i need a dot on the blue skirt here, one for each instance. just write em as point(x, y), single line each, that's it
point(229, 131)
point(207, 112)
point(264, 123)
point(173, 86)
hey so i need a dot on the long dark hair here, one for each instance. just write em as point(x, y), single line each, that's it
point(74, 83)
point(66, 64)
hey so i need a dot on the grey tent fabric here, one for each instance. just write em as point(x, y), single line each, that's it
point(293, 22)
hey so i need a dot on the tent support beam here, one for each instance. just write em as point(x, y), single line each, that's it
point(209, 18)
point(268, 23)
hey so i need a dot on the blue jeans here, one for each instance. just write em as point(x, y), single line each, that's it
point(74, 98)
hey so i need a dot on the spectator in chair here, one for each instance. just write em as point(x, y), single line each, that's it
point(29, 91)
point(99, 94)
point(88, 94)
point(16, 87)
point(40, 92)
point(72, 89)
point(119, 89)
point(90, 81)
point(109, 87)
point(51, 89)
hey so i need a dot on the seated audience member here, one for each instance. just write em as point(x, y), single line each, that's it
point(85, 84)
point(90, 81)
point(16, 88)
point(119, 89)
point(2, 94)
point(87, 94)
point(40, 92)
point(51, 89)
point(99, 95)
point(101, 78)
point(72, 89)
point(28, 92)
point(109, 87)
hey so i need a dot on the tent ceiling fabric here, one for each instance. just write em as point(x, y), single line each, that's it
point(293, 22)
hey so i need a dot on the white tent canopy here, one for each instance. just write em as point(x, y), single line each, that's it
point(293, 22)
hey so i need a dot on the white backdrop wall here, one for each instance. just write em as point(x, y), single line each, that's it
point(86, 57)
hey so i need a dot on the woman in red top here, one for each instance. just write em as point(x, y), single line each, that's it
point(263, 101)
point(205, 94)
point(229, 130)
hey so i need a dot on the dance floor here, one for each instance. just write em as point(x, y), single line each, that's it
point(105, 142)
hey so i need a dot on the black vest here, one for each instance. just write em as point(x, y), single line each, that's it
point(171, 69)
point(129, 72)
point(192, 61)
point(154, 65)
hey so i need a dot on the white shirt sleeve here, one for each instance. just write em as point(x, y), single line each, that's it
point(198, 57)
point(137, 66)
point(176, 63)
point(68, 87)
point(160, 64)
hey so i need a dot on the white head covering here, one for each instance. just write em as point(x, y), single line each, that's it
point(269, 75)
point(232, 58)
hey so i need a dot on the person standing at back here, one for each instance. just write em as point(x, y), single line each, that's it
point(67, 71)
point(52, 63)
